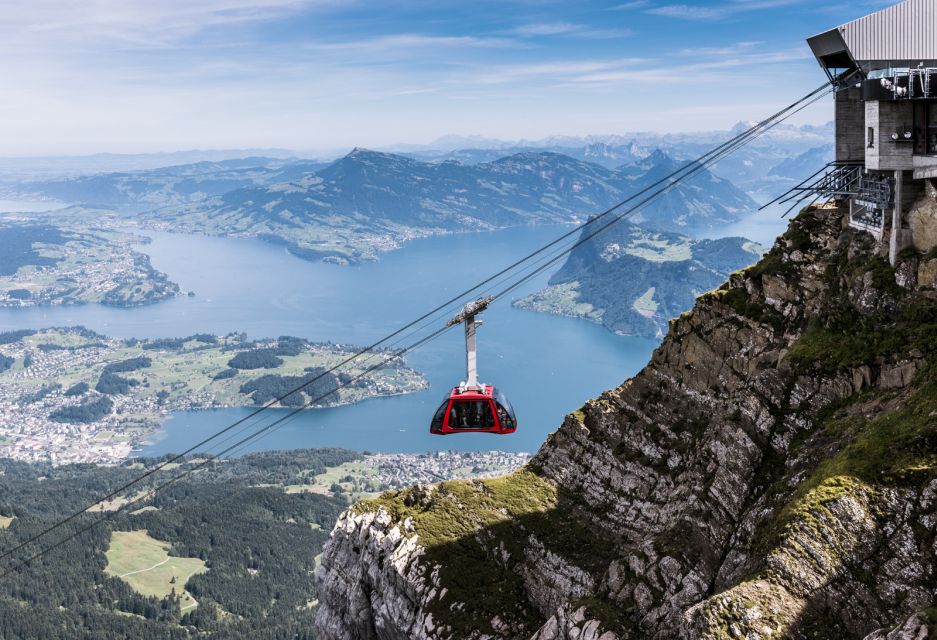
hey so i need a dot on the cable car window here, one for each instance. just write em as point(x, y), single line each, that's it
point(471, 414)
point(502, 400)
point(440, 415)
point(504, 418)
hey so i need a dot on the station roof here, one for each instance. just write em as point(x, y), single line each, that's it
point(903, 33)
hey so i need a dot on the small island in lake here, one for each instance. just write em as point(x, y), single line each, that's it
point(71, 395)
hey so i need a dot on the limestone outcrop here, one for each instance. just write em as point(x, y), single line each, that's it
point(771, 473)
point(922, 218)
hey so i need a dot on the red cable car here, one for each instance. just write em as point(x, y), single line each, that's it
point(473, 407)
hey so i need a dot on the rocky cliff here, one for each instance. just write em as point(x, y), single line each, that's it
point(771, 473)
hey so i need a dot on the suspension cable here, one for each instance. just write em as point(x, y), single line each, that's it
point(674, 178)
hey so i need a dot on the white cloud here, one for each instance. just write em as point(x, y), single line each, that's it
point(688, 12)
point(730, 50)
point(128, 75)
point(692, 12)
point(565, 70)
point(407, 43)
point(627, 6)
point(140, 23)
point(547, 29)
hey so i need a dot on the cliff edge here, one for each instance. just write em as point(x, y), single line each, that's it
point(771, 473)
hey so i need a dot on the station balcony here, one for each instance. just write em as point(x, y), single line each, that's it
point(912, 83)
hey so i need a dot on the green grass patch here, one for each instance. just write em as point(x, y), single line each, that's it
point(464, 524)
point(145, 509)
point(738, 299)
point(356, 469)
point(895, 449)
point(843, 337)
point(844, 345)
point(144, 563)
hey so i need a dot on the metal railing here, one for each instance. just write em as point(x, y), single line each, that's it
point(834, 181)
point(842, 181)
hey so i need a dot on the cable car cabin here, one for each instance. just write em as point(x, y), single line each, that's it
point(486, 410)
point(473, 407)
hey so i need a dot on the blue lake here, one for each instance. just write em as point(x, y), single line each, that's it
point(548, 365)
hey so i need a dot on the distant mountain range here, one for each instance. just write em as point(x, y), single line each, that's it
point(749, 168)
point(801, 166)
point(369, 201)
point(783, 133)
point(134, 191)
point(381, 195)
point(633, 281)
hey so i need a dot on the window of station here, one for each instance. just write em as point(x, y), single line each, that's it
point(932, 128)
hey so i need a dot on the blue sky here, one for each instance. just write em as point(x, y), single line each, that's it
point(323, 75)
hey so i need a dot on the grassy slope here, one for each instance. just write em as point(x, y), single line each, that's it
point(145, 564)
point(451, 523)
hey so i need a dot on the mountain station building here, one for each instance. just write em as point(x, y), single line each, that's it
point(884, 71)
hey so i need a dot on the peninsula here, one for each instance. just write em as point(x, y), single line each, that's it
point(71, 395)
point(46, 264)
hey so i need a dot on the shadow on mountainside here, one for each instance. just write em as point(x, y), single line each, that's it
point(771, 473)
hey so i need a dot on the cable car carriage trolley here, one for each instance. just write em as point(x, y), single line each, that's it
point(473, 407)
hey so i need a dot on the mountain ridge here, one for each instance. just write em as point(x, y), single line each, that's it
point(389, 198)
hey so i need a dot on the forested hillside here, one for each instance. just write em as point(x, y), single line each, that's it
point(258, 543)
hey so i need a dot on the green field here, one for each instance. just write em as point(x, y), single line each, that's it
point(560, 299)
point(144, 563)
point(364, 483)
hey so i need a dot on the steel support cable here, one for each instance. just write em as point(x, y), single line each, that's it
point(620, 217)
point(560, 254)
point(550, 259)
point(689, 168)
point(201, 464)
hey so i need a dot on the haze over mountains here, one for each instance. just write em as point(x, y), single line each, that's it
point(611, 150)
point(366, 202)
point(750, 168)
point(370, 201)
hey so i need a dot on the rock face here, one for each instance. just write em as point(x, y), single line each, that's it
point(771, 473)
point(923, 218)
